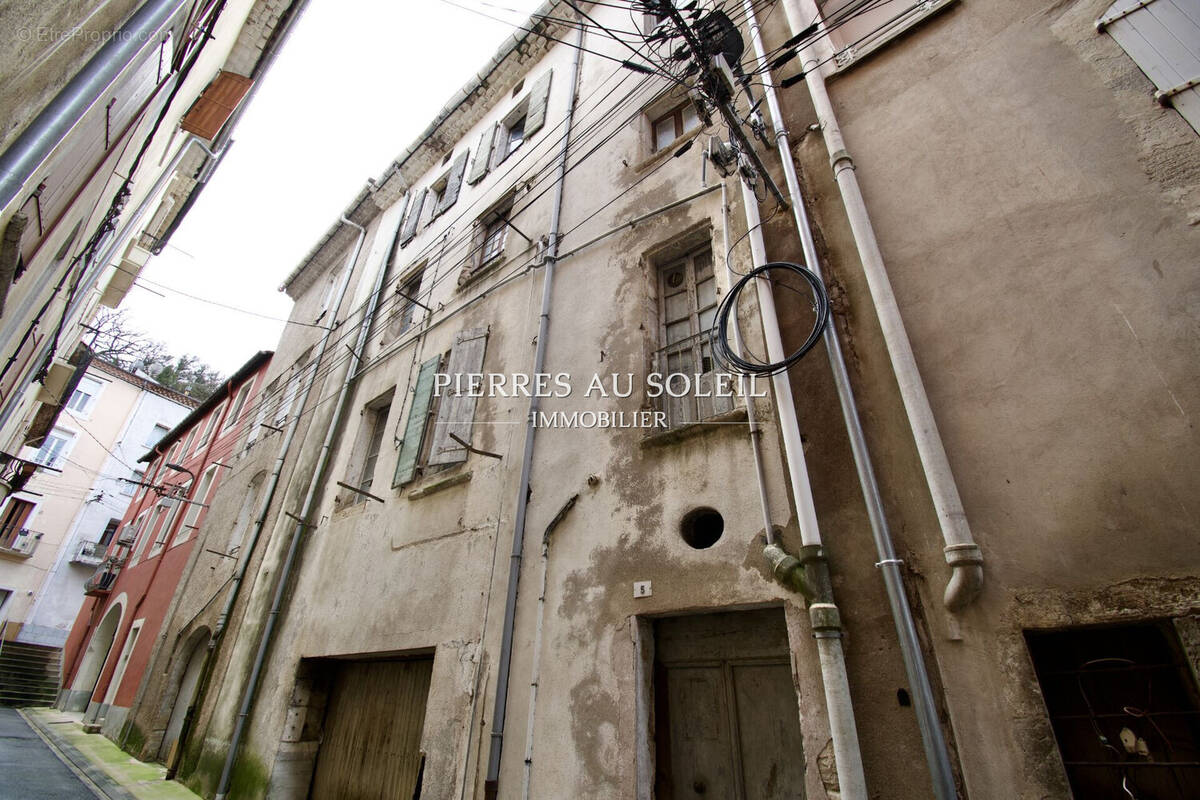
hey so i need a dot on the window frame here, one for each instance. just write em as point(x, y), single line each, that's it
point(92, 397)
point(677, 115)
point(199, 499)
point(67, 437)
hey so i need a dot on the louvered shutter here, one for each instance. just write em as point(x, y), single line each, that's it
point(483, 154)
point(453, 182)
point(539, 95)
point(499, 145)
point(1163, 39)
point(456, 413)
point(410, 221)
point(414, 429)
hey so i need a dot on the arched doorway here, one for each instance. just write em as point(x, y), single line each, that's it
point(94, 657)
point(188, 678)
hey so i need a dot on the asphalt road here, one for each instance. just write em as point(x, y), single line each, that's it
point(29, 770)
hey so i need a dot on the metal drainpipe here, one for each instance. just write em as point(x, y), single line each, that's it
point(962, 553)
point(936, 752)
point(239, 574)
point(826, 621)
point(751, 414)
point(101, 262)
point(24, 157)
point(314, 483)
point(492, 781)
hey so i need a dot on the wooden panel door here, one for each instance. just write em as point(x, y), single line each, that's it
point(371, 747)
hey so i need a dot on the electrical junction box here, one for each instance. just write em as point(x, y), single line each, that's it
point(642, 589)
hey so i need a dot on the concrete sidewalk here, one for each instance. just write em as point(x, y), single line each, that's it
point(113, 772)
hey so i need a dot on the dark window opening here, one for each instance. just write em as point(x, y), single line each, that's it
point(109, 530)
point(1124, 709)
point(516, 135)
point(517, 89)
point(378, 423)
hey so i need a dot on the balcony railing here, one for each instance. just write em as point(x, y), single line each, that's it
point(101, 583)
point(21, 543)
point(15, 472)
point(89, 553)
point(699, 400)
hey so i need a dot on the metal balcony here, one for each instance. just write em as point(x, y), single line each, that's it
point(89, 553)
point(102, 582)
point(692, 357)
point(15, 473)
point(21, 543)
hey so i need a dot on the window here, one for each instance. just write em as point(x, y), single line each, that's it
point(109, 531)
point(199, 500)
point(374, 426)
point(155, 436)
point(239, 400)
point(1122, 702)
point(405, 312)
point(54, 448)
point(514, 135)
point(520, 123)
point(209, 425)
point(675, 123)
point(129, 486)
point(330, 289)
point(84, 396)
point(425, 445)
point(140, 537)
point(289, 397)
point(1161, 39)
point(174, 504)
point(260, 416)
point(687, 304)
point(13, 520)
point(491, 235)
point(187, 443)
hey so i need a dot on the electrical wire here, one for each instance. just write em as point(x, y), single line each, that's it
point(728, 357)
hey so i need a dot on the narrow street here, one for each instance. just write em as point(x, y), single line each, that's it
point(31, 770)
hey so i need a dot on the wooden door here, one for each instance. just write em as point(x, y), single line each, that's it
point(727, 721)
point(371, 746)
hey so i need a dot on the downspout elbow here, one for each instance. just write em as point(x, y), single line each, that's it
point(966, 578)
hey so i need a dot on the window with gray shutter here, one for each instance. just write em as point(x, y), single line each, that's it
point(414, 429)
point(483, 154)
point(453, 183)
point(456, 412)
point(1163, 39)
point(539, 95)
point(411, 218)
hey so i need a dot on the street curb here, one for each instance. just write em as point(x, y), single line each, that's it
point(101, 781)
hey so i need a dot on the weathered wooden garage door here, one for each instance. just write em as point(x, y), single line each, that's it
point(727, 723)
point(372, 739)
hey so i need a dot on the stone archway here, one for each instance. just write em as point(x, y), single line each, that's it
point(94, 658)
point(186, 680)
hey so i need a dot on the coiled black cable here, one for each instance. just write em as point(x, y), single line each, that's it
point(725, 354)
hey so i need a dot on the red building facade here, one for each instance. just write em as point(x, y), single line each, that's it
point(129, 598)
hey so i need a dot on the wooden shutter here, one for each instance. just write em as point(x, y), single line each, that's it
point(410, 220)
point(216, 104)
point(499, 144)
point(1163, 39)
point(453, 182)
point(414, 429)
point(539, 95)
point(456, 413)
point(483, 154)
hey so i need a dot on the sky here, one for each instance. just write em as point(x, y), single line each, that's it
point(354, 86)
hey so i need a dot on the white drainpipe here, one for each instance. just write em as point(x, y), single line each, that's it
point(962, 553)
point(826, 622)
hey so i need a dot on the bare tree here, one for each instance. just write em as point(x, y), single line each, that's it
point(115, 341)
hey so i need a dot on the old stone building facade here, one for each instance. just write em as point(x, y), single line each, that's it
point(1005, 221)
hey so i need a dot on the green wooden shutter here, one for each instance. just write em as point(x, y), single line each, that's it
point(456, 412)
point(483, 154)
point(414, 430)
point(535, 118)
point(410, 221)
point(453, 182)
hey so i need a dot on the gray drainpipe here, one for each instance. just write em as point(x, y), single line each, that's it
point(491, 786)
point(936, 752)
point(314, 485)
point(25, 156)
